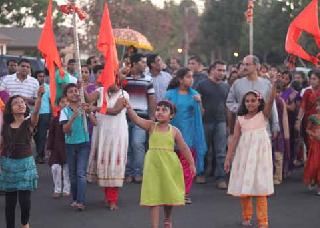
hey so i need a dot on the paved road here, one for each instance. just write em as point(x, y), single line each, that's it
point(291, 207)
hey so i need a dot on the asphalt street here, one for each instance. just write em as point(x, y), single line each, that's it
point(292, 206)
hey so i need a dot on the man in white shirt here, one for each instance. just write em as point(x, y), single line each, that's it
point(12, 66)
point(21, 83)
point(160, 79)
point(71, 69)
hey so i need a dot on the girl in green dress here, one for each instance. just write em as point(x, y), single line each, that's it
point(163, 183)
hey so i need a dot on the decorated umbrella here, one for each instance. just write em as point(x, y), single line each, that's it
point(130, 37)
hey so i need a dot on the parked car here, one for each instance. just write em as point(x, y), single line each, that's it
point(36, 63)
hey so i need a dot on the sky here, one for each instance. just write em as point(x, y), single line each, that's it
point(160, 3)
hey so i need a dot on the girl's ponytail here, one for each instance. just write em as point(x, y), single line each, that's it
point(174, 83)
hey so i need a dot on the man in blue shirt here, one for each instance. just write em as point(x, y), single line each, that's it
point(195, 65)
point(44, 119)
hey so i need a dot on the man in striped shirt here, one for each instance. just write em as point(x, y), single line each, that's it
point(21, 83)
point(143, 101)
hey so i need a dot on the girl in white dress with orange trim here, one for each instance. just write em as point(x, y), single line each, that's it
point(108, 155)
point(252, 170)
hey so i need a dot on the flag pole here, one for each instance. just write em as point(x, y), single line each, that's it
point(249, 15)
point(78, 63)
point(251, 37)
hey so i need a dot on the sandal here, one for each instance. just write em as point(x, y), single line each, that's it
point(80, 207)
point(74, 204)
point(246, 223)
point(167, 223)
point(187, 200)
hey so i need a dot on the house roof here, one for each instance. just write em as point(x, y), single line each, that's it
point(22, 37)
point(5, 38)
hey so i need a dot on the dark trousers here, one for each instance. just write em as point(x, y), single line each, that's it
point(40, 137)
point(25, 205)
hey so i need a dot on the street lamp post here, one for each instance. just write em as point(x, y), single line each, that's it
point(186, 47)
point(186, 36)
point(251, 38)
point(250, 21)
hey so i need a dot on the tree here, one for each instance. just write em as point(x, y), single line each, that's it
point(223, 29)
point(220, 29)
point(158, 25)
point(271, 22)
point(22, 12)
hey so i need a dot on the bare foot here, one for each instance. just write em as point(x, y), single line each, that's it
point(128, 179)
point(25, 226)
point(114, 207)
point(56, 195)
point(65, 194)
point(167, 223)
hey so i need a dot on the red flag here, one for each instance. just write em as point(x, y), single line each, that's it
point(106, 45)
point(48, 48)
point(306, 21)
point(249, 12)
point(69, 8)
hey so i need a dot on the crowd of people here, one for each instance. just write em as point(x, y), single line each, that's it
point(162, 125)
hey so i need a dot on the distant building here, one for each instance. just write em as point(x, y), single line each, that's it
point(20, 41)
point(4, 40)
point(24, 41)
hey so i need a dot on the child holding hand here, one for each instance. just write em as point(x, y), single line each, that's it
point(77, 143)
point(58, 158)
point(18, 171)
point(163, 181)
point(252, 169)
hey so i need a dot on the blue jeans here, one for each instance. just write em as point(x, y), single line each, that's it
point(136, 150)
point(77, 159)
point(216, 134)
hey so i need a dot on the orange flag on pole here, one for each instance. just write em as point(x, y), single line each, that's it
point(249, 12)
point(107, 46)
point(306, 21)
point(48, 48)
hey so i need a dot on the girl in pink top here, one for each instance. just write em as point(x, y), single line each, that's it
point(252, 170)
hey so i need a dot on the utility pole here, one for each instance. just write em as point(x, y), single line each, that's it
point(249, 15)
point(251, 38)
point(186, 13)
point(186, 36)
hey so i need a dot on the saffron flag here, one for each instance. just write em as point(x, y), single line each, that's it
point(48, 48)
point(249, 12)
point(107, 46)
point(68, 7)
point(307, 21)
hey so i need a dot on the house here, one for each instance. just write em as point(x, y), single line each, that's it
point(20, 41)
point(4, 40)
point(24, 41)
